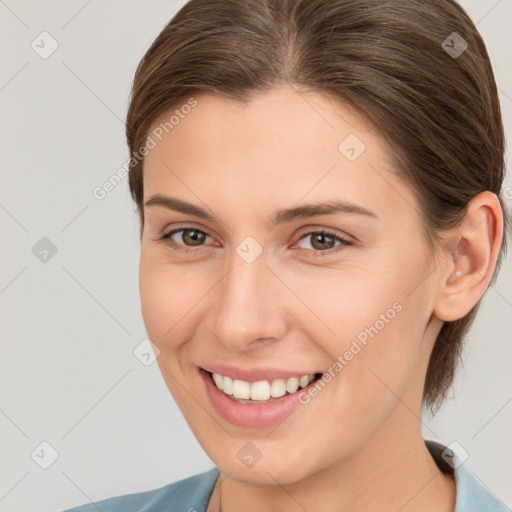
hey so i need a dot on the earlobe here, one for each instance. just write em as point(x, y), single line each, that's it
point(470, 258)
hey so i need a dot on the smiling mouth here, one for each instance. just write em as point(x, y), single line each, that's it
point(262, 391)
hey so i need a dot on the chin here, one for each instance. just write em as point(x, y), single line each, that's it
point(261, 474)
point(271, 469)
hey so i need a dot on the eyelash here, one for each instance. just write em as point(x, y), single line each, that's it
point(166, 238)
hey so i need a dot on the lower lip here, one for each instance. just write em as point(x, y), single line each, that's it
point(251, 415)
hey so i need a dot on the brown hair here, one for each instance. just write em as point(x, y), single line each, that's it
point(390, 60)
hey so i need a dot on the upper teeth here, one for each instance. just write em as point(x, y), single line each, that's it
point(262, 389)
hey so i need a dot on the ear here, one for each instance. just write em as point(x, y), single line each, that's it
point(468, 258)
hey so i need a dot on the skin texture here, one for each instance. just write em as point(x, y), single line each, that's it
point(358, 444)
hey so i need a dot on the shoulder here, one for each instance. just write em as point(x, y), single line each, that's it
point(471, 495)
point(190, 494)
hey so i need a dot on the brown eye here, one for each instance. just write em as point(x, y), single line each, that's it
point(183, 238)
point(193, 237)
point(323, 241)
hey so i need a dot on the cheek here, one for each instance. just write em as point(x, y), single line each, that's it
point(167, 294)
point(348, 304)
point(367, 319)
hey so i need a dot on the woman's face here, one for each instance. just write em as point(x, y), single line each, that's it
point(248, 287)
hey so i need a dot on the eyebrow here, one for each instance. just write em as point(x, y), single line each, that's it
point(305, 211)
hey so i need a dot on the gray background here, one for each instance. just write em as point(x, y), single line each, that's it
point(69, 325)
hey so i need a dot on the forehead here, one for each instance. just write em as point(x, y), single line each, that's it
point(281, 147)
point(283, 117)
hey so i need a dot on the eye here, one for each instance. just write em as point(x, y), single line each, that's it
point(323, 242)
point(184, 238)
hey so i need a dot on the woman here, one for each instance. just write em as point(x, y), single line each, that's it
point(318, 184)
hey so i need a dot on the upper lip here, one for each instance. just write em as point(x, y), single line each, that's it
point(254, 374)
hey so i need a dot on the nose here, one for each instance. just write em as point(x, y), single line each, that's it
point(249, 305)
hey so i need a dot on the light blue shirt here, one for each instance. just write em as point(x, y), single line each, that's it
point(192, 494)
